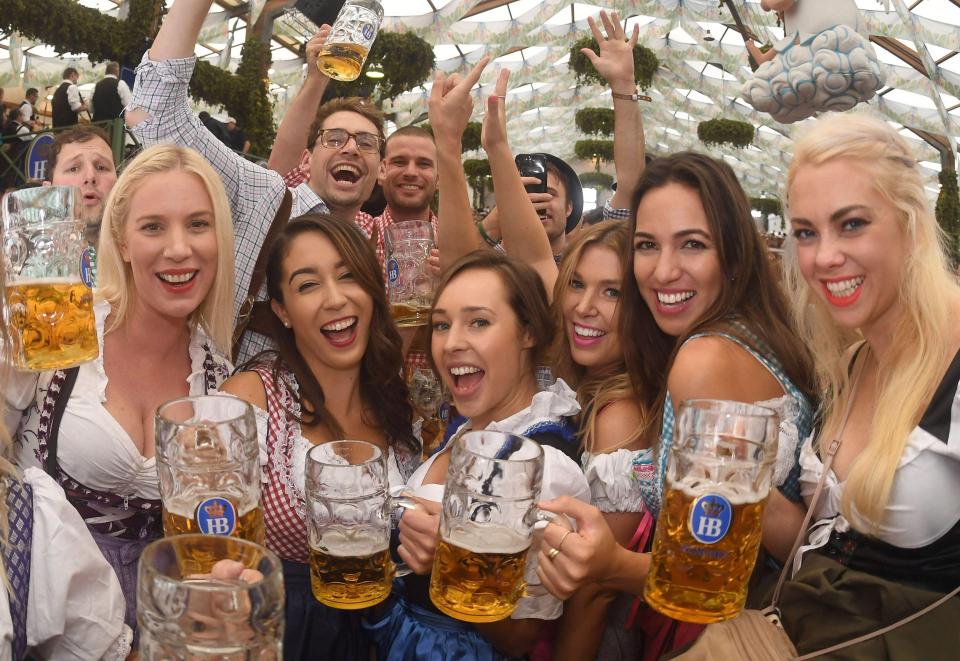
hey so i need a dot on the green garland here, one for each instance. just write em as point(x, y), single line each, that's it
point(645, 64)
point(471, 136)
point(725, 132)
point(406, 61)
point(594, 150)
point(767, 206)
point(478, 177)
point(595, 121)
point(598, 180)
point(948, 210)
point(72, 28)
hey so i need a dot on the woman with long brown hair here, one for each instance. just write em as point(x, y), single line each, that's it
point(336, 374)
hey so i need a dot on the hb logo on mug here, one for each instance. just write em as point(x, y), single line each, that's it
point(710, 517)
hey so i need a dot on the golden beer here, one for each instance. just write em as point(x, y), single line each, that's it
point(345, 573)
point(409, 316)
point(182, 519)
point(342, 61)
point(53, 319)
point(693, 581)
point(478, 575)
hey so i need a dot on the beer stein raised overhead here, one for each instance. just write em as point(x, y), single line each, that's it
point(209, 613)
point(486, 525)
point(351, 38)
point(207, 460)
point(719, 473)
point(49, 295)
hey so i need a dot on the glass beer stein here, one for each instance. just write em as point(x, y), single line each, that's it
point(207, 460)
point(348, 524)
point(719, 473)
point(187, 612)
point(486, 525)
point(49, 278)
point(351, 37)
point(409, 282)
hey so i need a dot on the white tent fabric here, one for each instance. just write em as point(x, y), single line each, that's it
point(703, 65)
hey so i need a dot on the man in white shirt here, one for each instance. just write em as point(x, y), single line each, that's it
point(67, 102)
point(28, 113)
point(110, 96)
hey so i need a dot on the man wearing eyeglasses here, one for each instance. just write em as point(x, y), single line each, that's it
point(342, 158)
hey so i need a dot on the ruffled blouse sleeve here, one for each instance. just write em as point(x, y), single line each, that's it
point(613, 479)
point(76, 606)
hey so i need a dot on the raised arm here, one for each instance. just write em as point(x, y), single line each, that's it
point(450, 107)
point(292, 136)
point(520, 226)
point(615, 64)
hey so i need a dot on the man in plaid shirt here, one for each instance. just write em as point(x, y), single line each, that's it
point(342, 161)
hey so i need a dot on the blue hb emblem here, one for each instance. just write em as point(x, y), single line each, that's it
point(88, 266)
point(393, 270)
point(368, 31)
point(216, 516)
point(710, 518)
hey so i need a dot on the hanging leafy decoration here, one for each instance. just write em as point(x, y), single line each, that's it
point(72, 28)
point(645, 64)
point(725, 132)
point(948, 210)
point(594, 150)
point(406, 61)
point(478, 177)
point(471, 136)
point(595, 121)
point(598, 180)
point(767, 206)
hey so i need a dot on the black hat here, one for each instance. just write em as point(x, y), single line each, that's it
point(574, 190)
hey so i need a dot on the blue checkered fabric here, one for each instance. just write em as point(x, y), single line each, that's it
point(652, 489)
point(16, 559)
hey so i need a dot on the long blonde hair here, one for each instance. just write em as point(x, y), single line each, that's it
point(115, 279)
point(911, 369)
point(613, 384)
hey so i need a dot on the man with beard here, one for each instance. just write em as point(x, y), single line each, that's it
point(408, 177)
point(342, 156)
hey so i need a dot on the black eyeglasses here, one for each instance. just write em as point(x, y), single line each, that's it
point(337, 138)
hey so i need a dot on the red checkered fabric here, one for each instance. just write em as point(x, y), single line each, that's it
point(295, 177)
point(286, 527)
point(369, 225)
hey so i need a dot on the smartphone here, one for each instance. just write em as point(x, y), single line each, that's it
point(533, 165)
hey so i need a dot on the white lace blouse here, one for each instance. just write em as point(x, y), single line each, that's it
point(93, 448)
point(613, 479)
point(75, 606)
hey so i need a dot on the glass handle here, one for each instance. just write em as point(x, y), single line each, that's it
point(400, 568)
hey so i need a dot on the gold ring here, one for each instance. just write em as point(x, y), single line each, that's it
point(563, 539)
point(553, 553)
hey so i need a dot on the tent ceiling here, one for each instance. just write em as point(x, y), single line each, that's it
point(703, 64)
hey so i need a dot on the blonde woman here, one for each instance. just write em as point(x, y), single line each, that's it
point(613, 429)
point(59, 598)
point(874, 295)
point(163, 313)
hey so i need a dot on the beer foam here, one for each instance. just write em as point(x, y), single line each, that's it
point(694, 486)
point(40, 282)
point(351, 544)
point(186, 504)
point(487, 539)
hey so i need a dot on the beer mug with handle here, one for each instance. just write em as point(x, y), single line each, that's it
point(719, 474)
point(486, 525)
point(207, 460)
point(213, 613)
point(349, 519)
point(49, 279)
point(409, 281)
point(351, 37)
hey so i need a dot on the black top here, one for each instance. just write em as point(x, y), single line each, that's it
point(106, 100)
point(935, 566)
point(62, 114)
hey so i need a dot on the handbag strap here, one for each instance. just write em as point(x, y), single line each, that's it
point(827, 463)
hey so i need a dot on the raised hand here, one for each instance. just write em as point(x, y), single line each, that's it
point(494, 130)
point(313, 51)
point(615, 60)
point(450, 105)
